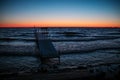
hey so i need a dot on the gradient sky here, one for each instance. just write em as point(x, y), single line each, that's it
point(60, 13)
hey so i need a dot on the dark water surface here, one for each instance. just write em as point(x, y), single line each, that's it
point(78, 46)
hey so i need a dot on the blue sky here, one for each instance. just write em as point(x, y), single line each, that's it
point(60, 11)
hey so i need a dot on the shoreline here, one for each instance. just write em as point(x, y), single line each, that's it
point(75, 73)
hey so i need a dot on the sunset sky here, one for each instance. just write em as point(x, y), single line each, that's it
point(60, 13)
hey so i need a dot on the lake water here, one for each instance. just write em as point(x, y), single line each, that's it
point(77, 46)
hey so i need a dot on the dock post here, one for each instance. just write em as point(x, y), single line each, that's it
point(59, 59)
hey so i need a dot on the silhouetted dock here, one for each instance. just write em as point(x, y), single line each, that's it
point(45, 46)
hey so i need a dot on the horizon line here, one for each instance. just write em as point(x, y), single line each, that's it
point(58, 27)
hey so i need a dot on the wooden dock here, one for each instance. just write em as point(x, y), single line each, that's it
point(45, 46)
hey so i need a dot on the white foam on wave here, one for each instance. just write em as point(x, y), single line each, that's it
point(85, 46)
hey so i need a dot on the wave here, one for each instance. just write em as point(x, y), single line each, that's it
point(62, 39)
point(16, 54)
point(89, 51)
point(84, 39)
point(113, 33)
point(17, 39)
point(61, 47)
point(3, 53)
point(77, 47)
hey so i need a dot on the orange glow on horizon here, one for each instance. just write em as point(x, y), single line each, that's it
point(62, 24)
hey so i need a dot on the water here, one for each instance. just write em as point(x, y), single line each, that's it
point(78, 46)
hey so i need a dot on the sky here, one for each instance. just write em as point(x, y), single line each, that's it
point(60, 13)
